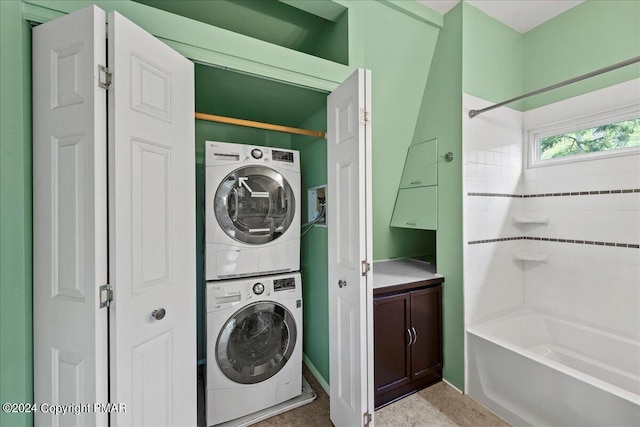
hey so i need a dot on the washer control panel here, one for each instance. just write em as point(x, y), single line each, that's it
point(284, 284)
point(262, 288)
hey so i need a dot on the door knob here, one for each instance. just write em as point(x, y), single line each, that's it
point(342, 283)
point(159, 313)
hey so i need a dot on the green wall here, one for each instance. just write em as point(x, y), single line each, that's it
point(441, 117)
point(16, 350)
point(493, 57)
point(269, 20)
point(313, 248)
point(590, 36)
point(500, 63)
point(399, 66)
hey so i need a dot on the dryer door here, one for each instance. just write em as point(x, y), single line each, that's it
point(256, 342)
point(254, 204)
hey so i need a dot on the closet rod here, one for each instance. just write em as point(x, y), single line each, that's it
point(258, 125)
point(473, 113)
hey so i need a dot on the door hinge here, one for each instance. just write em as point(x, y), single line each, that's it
point(105, 78)
point(366, 419)
point(106, 295)
point(364, 116)
point(365, 267)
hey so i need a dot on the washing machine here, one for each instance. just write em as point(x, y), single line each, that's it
point(252, 210)
point(254, 345)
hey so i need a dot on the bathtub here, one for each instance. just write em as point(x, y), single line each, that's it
point(534, 369)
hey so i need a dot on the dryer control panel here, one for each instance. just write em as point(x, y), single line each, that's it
point(225, 153)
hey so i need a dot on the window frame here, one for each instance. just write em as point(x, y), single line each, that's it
point(616, 115)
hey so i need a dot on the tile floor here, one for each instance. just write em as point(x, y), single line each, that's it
point(437, 406)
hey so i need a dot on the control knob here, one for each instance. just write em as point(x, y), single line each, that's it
point(258, 288)
point(256, 153)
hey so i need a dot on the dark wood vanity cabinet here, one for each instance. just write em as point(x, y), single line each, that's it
point(407, 339)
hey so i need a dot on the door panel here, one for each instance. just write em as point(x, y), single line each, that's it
point(391, 342)
point(425, 319)
point(152, 229)
point(416, 208)
point(152, 381)
point(69, 216)
point(349, 241)
point(421, 165)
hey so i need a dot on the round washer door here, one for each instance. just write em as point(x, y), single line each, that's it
point(254, 204)
point(256, 342)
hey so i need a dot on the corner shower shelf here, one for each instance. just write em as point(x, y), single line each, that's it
point(525, 220)
point(529, 256)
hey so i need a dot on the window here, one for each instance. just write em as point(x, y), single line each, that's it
point(604, 135)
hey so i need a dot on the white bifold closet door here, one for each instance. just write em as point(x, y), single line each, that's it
point(349, 225)
point(120, 211)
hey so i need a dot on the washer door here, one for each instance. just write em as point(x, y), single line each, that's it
point(254, 204)
point(256, 342)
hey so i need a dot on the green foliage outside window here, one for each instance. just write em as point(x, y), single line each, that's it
point(600, 138)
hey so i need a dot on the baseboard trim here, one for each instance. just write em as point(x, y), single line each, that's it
point(316, 373)
point(452, 386)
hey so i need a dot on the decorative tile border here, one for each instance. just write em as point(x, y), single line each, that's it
point(517, 196)
point(552, 239)
point(501, 239)
point(573, 193)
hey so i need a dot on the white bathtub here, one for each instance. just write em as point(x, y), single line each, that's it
point(537, 370)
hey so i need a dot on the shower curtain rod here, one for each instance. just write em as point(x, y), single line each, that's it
point(473, 113)
point(258, 125)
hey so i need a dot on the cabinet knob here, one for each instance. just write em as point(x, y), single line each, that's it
point(410, 338)
point(342, 283)
point(415, 335)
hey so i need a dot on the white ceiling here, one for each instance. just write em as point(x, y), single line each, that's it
point(521, 15)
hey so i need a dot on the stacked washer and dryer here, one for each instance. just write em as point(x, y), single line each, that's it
point(254, 291)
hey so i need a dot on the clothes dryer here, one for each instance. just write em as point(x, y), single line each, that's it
point(252, 210)
point(254, 345)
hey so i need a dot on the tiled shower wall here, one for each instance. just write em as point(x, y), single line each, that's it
point(492, 166)
point(592, 271)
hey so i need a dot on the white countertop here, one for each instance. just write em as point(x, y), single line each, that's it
point(399, 271)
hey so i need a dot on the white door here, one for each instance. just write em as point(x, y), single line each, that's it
point(350, 250)
point(148, 209)
point(151, 229)
point(69, 216)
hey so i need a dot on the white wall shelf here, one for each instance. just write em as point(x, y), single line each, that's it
point(529, 256)
point(525, 220)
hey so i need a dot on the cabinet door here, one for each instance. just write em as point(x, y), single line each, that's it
point(391, 342)
point(416, 208)
point(421, 165)
point(426, 350)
